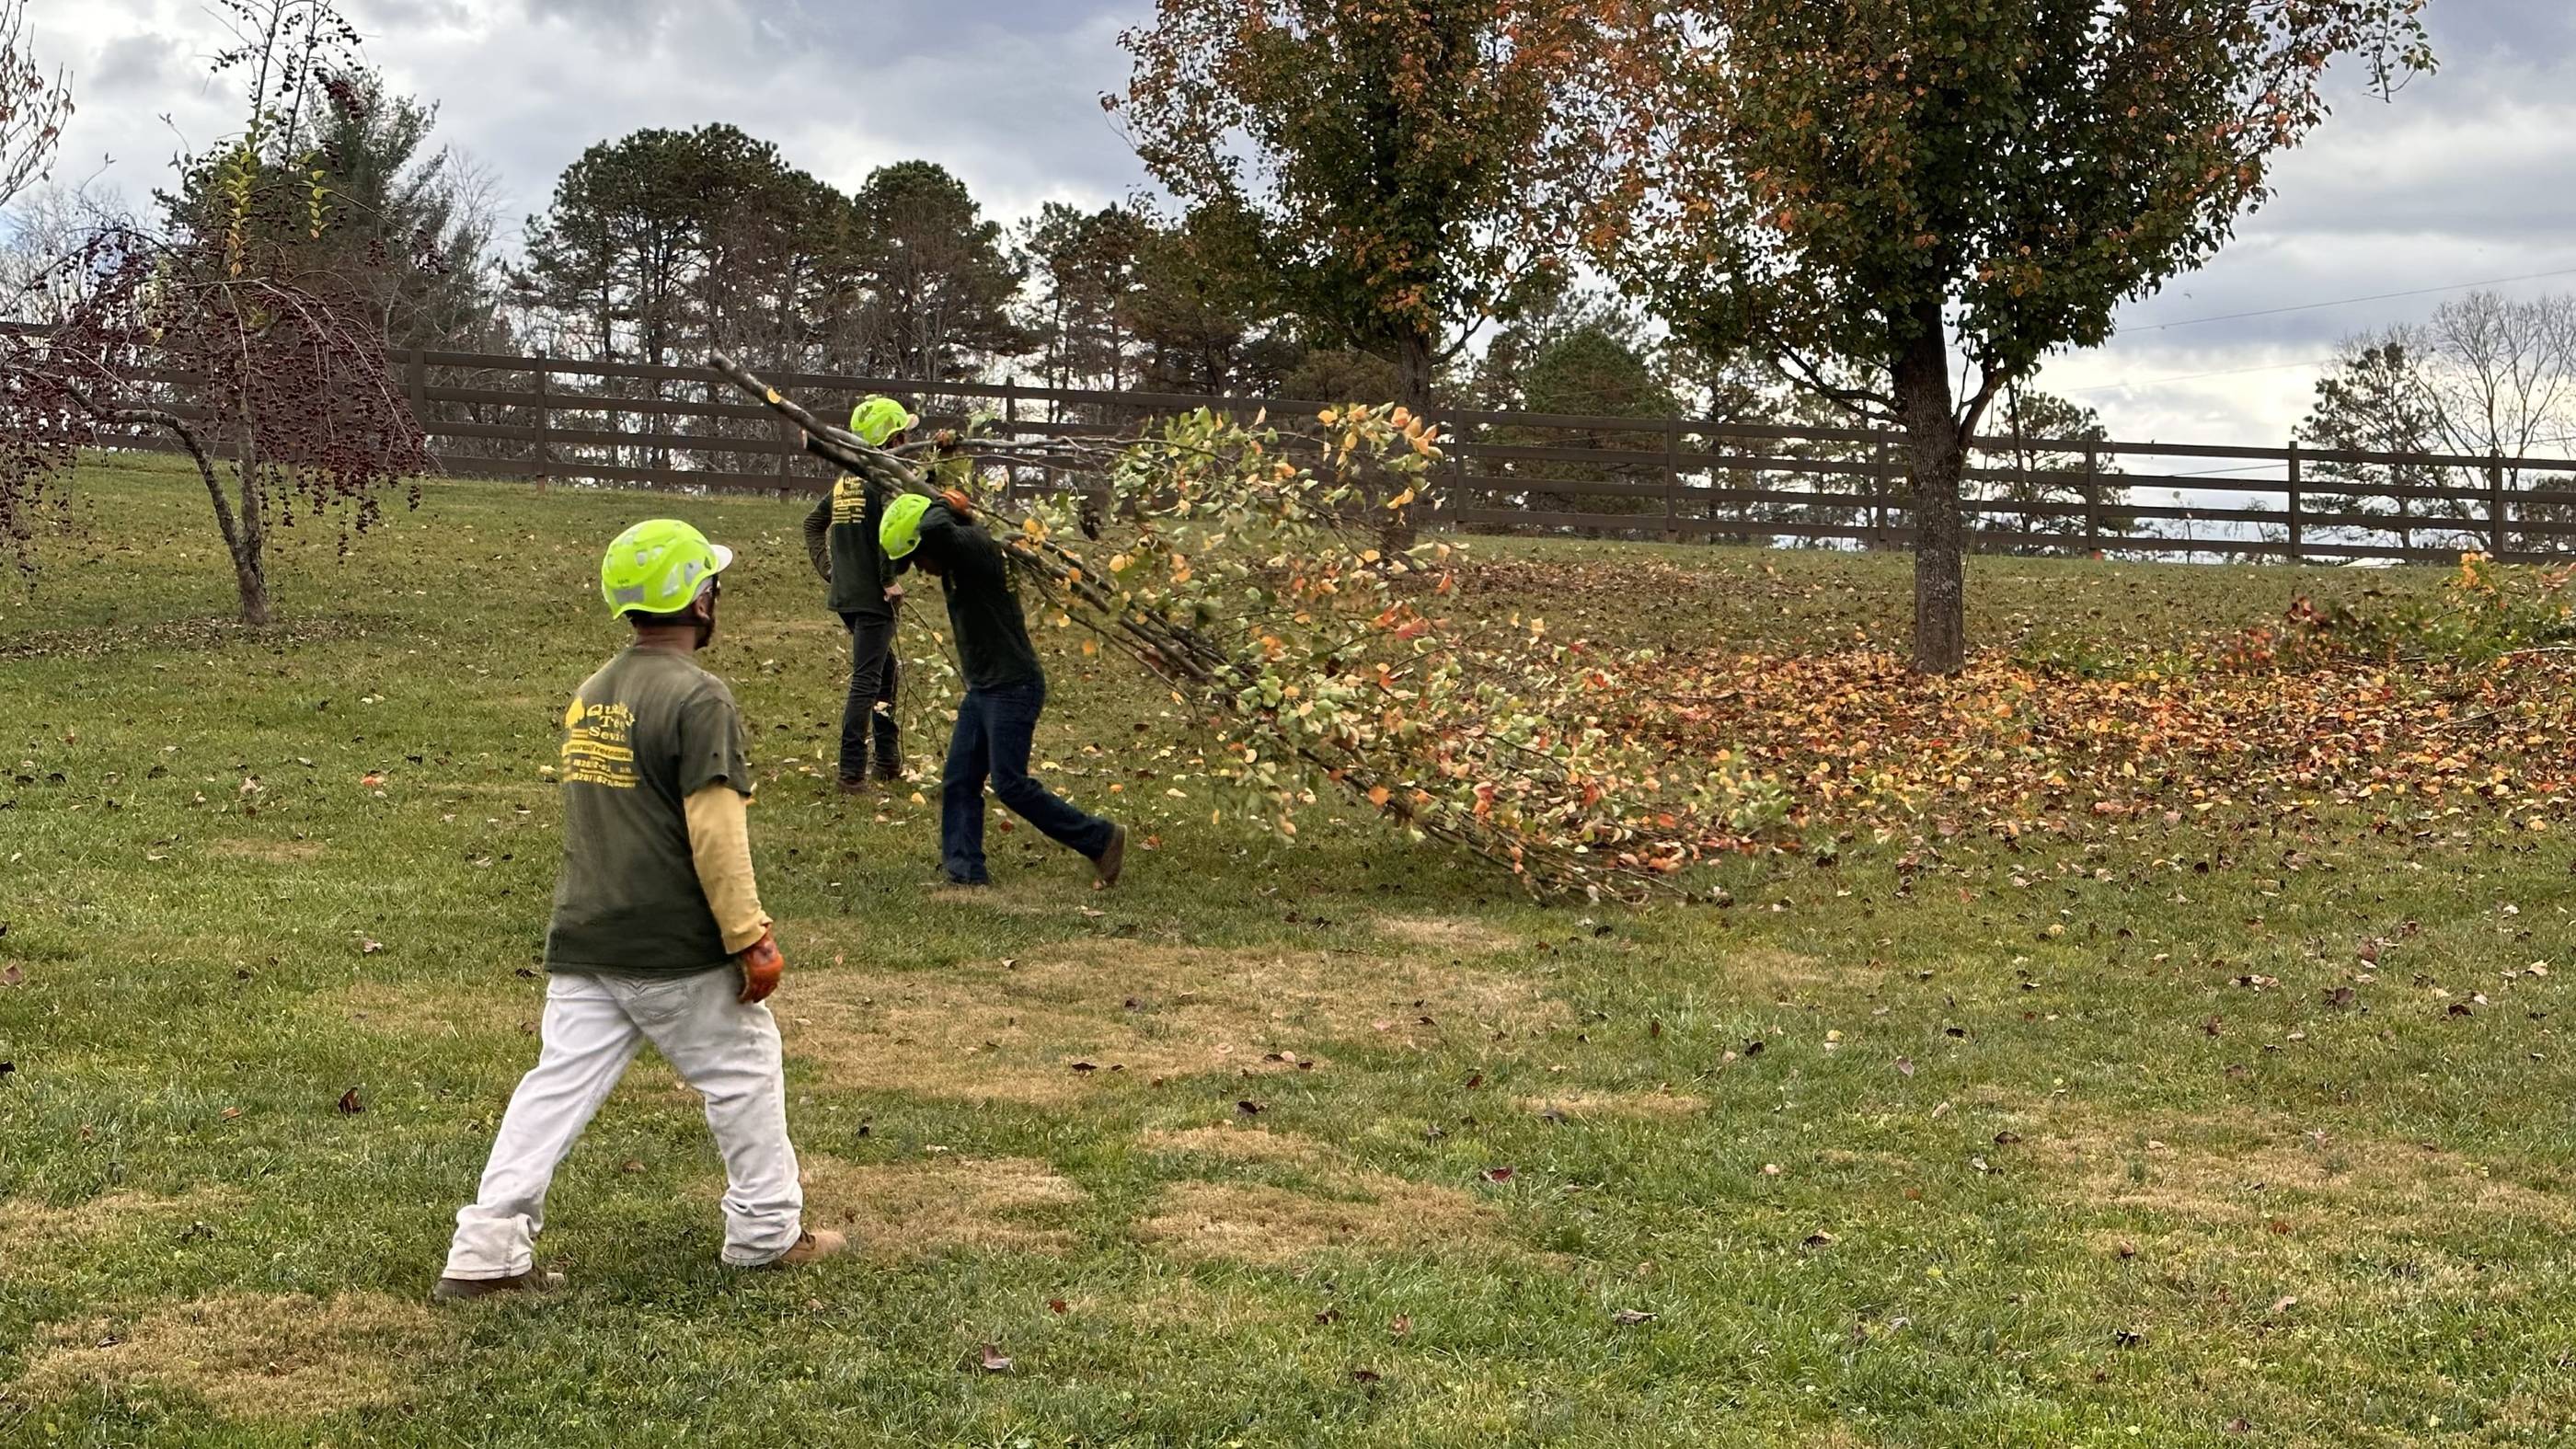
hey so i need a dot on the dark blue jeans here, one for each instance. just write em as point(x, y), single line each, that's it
point(994, 728)
point(870, 708)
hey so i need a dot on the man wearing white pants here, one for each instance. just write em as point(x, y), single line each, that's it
point(657, 936)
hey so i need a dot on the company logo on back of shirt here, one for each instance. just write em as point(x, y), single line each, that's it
point(599, 745)
point(849, 500)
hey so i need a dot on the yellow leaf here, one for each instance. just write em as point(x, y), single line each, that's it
point(1401, 499)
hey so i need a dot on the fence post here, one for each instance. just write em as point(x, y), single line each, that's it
point(419, 384)
point(791, 445)
point(2297, 552)
point(545, 427)
point(1457, 500)
point(1672, 480)
point(1877, 489)
point(1011, 429)
point(2092, 498)
point(2495, 506)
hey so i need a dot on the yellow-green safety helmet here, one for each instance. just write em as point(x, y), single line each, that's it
point(658, 567)
point(876, 419)
point(900, 531)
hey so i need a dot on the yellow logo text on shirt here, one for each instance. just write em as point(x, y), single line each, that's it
point(849, 500)
point(599, 745)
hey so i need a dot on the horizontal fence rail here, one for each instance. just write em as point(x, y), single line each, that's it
point(1674, 479)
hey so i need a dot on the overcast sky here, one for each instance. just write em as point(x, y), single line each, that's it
point(2469, 176)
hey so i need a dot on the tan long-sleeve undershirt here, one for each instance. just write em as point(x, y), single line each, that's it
point(720, 847)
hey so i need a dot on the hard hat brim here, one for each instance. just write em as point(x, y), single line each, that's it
point(724, 556)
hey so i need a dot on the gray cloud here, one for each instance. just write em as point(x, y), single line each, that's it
point(138, 67)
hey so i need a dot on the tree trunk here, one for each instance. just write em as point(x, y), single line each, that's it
point(245, 534)
point(250, 575)
point(1936, 459)
point(1413, 372)
point(1413, 367)
point(249, 544)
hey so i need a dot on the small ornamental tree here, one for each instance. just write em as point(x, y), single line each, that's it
point(279, 391)
point(1941, 192)
point(33, 107)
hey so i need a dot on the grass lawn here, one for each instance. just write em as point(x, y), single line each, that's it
point(2244, 1130)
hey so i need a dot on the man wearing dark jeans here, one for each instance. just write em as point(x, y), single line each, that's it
point(841, 539)
point(1005, 693)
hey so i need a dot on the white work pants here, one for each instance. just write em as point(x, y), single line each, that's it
point(593, 1027)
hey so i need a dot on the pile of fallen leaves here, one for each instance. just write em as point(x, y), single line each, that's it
point(1857, 741)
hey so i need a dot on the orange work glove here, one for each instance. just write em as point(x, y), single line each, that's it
point(957, 501)
point(761, 966)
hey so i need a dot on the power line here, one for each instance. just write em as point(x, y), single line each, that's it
point(2195, 376)
point(2349, 301)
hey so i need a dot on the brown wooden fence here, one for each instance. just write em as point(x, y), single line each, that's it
point(1615, 477)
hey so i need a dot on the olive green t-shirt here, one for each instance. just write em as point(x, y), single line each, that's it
point(841, 537)
point(645, 733)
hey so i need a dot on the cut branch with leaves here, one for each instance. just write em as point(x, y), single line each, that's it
point(1235, 562)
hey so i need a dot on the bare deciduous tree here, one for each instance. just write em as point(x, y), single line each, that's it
point(2486, 376)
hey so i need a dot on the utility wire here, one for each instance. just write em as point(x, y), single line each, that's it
point(2194, 376)
point(2349, 301)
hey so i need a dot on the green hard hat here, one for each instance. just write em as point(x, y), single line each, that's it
point(878, 418)
point(658, 566)
point(900, 533)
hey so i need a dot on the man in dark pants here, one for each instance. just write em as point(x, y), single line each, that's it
point(1005, 693)
point(841, 538)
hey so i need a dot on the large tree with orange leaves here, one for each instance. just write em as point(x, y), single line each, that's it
point(1414, 166)
point(1924, 191)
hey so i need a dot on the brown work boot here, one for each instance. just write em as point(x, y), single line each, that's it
point(888, 772)
point(1113, 857)
point(466, 1290)
point(854, 785)
point(811, 1248)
